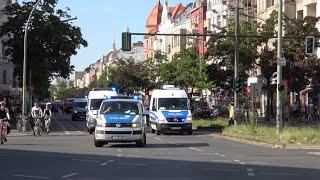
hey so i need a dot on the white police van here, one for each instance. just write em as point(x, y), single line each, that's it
point(95, 97)
point(120, 119)
point(170, 111)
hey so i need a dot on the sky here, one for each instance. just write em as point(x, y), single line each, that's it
point(101, 21)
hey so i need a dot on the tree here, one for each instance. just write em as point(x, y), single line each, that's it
point(221, 53)
point(51, 42)
point(186, 69)
point(131, 76)
point(64, 89)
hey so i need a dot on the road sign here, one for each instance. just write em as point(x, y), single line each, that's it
point(255, 90)
point(282, 62)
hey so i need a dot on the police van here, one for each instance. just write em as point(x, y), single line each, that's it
point(120, 119)
point(95, 97)
point(170, 111)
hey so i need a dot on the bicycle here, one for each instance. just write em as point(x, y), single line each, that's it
point(37, 126)
point(47, 123)
point(3, 131)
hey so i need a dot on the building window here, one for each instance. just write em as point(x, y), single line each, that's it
point(219, 21)
point(4, 77)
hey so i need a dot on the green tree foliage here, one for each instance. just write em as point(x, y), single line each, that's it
point(186, 69)
point(221, 52)
point(64, 89)
point(131, 76)
point(51, 42)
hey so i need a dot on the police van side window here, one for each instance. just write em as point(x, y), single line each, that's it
point(154, 106)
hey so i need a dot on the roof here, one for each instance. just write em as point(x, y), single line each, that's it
point(154, 19)
point(169, 93)
point(176, 10)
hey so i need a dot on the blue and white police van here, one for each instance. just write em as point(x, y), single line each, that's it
point(170, 111)
point(120, 119)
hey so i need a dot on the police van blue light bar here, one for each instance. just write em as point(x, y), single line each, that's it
point(124, 97)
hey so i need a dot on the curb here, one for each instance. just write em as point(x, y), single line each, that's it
point(262, 144)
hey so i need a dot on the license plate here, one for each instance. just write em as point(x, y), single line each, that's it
point(175, 128)
point(118, 137)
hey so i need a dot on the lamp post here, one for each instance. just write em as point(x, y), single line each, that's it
point(279, 71)
point(25, 59)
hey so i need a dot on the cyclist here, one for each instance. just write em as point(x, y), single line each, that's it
point(4, 115)
point(36, 112)
point(47, 117)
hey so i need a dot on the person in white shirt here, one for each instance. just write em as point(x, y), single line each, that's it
point(36, 111)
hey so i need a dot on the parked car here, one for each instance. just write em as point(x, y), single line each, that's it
point(201, 109)
point(222, 112)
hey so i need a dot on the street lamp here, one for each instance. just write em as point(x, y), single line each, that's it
point(25, 59)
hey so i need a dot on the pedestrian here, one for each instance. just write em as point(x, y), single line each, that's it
point(231, 114)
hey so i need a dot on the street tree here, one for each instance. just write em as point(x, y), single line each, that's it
point(51, 42)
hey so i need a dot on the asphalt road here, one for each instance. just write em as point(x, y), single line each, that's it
point(69, 153)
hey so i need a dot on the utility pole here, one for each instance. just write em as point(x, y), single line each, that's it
point(236, 62)
point(279, 70)
point(25, 59)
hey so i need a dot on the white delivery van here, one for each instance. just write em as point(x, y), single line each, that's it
point(95, 98)
point(170, 111)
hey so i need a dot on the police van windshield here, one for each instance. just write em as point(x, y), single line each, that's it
point(81, 105)
point(95, 104)
point(173, 104)
point(123, 107)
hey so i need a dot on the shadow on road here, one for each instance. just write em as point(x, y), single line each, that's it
point(17, 164)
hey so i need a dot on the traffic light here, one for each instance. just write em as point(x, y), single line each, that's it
point(239, 85)
point(126, 41)
point(309, 45)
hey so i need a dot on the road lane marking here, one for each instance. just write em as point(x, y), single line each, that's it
point(106, 163)
point(28, 176)
point(69, 175)
point(134, 156)
point(132, 164)
point(157, 138)
point(242, 162)
point(119, 155)
point(314, 153)
point(195, 149)
point(264, 163)
point(119, 150)
point(171, 142)
point(217, 154)
point(222, 169)
point(236, 160)
point(205, 154)
point(214, 160)
point(222, 155)
point(250, 172)
point(86, 160)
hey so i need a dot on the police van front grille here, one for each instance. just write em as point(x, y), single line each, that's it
point(115, 125)
point(124, 132)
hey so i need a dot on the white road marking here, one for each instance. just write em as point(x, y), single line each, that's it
point(242, 162)
point(236, 160)
point(221, 169)
point(314, 153)
point(28, 176)
point(119, 150)
point(135, 156)
point(132, 164)
point(171, 142)
point(86, 160)
point(214, 160)
point(217, 154)
point(205, 154)
point(222, 155)
point(157, 138)
point(69, 175)
point(119, 155)
point(250, 172)
point(195, 149)
point(106, 163)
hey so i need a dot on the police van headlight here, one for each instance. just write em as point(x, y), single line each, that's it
point(136, 122)
point(189, 119)
point(101, 122)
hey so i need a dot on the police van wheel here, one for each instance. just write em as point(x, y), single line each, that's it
point(153, 131)
point(98, 143)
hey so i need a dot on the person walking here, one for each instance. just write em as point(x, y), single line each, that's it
point(231, 114)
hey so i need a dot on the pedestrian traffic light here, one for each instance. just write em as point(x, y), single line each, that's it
point(126, 41)
point(309, 45)
point(239, 85)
